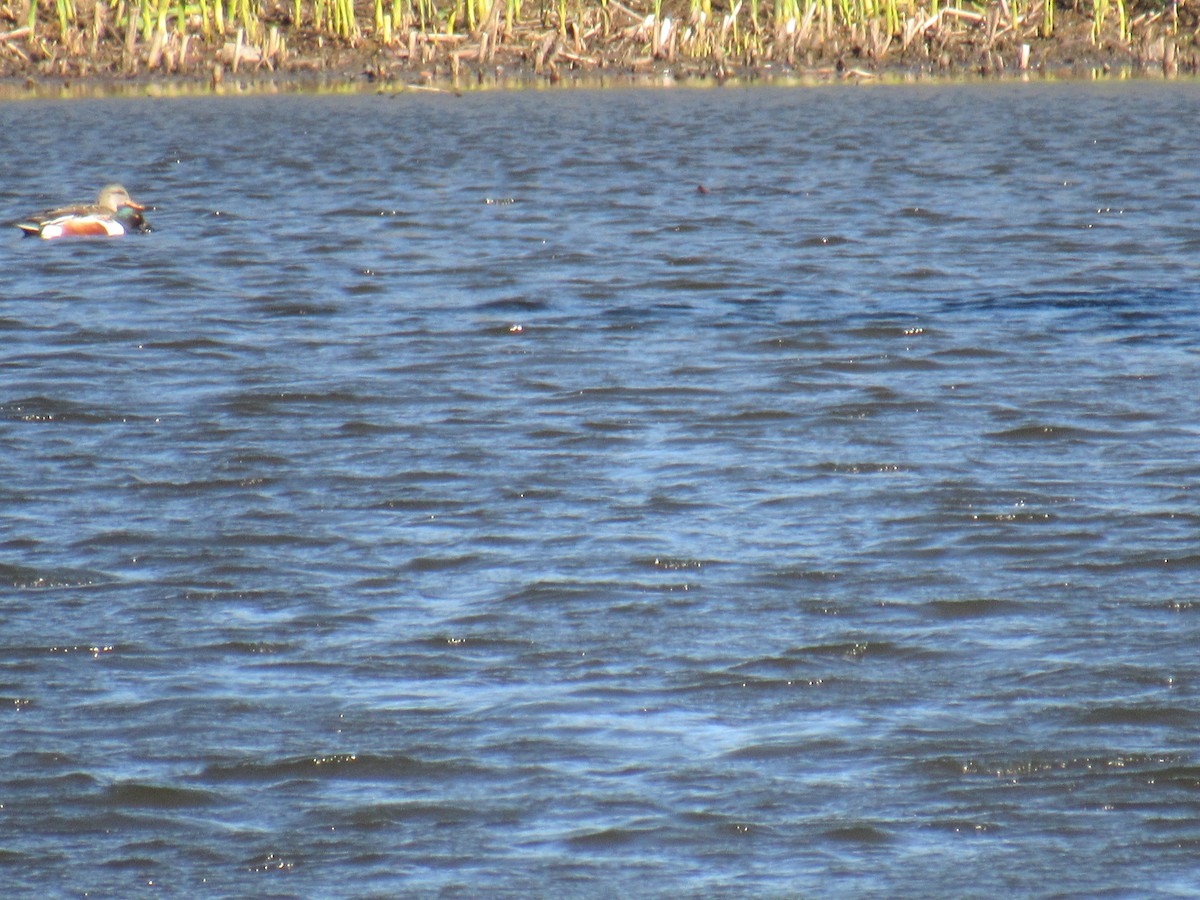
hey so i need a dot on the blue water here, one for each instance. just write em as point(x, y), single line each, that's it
point(769, 492)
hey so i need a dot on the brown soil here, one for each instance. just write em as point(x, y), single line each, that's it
point(606, 47)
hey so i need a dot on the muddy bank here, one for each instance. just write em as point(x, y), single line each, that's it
point(112, 49)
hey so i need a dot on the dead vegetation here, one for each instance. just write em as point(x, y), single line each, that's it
point(422, 40)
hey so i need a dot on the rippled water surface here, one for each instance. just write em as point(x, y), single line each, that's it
point(603, 494)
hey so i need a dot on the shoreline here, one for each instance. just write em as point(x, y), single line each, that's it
point(965, 47)
point(350, 82)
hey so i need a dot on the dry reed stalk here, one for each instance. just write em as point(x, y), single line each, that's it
point(97, 28)
point(546, 51)
point(880, 41)
point(962, 14)
point(586, 61)
point(622, 8)
point(1169, 65)
point(991, 27)
point(154, 58)
point(130, 61)
point(14, 50)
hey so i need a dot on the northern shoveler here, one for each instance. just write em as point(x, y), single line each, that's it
point(114, 213)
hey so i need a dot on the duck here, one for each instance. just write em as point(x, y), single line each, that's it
point(114, 213)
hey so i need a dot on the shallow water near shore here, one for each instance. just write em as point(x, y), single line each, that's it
point(710, 493)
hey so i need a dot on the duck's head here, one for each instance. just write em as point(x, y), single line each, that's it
point(131, 219)
point(114, 197)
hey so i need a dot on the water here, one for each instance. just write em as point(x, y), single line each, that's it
point(451, 498)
